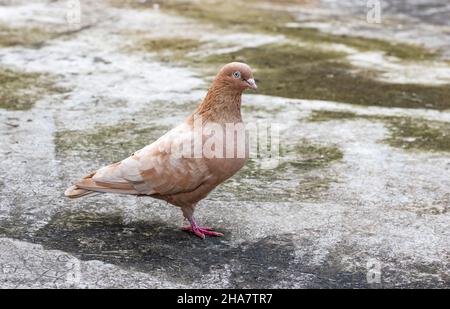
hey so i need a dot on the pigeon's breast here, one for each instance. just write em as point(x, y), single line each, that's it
point(225, 146)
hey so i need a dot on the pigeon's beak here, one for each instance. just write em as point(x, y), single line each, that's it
point(251, 83)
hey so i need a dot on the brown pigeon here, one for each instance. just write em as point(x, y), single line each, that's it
point(184, 165)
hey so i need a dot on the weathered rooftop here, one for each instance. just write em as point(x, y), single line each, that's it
point(363, 179)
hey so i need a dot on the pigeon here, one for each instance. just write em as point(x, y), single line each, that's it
point(171, 168)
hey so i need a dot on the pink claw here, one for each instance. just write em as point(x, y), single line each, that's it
point(202, 231)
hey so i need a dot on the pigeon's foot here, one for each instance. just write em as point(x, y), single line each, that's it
point(201, 231)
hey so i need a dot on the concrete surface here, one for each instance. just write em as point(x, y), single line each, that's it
point(375, 215)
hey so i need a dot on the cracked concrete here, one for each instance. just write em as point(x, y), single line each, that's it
point(344, 204)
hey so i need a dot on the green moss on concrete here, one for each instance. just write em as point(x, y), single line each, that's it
point(299, 175)
point(326, 115)
point(106, 144)
point(400, 50)
point(20, 90)
point(176, 44)
point(404, 132)
point(409, 133)
point(311, 156)
point(304, 73)
point(23, 36)
point(252, 16)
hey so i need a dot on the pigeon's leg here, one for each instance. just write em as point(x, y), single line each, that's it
point(194, 228)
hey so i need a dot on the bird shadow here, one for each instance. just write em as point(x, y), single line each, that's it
point(156, 246)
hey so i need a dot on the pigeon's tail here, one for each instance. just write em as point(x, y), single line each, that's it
point(75, 191)
point(88, 185)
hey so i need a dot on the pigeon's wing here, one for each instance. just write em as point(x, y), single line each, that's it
point(160, 168)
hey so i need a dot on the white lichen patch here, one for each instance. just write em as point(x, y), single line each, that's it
point(223, 43)
point(393, 70)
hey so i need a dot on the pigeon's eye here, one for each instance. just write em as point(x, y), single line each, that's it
point(237, 74)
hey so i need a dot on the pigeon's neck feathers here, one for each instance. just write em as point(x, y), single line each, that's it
point(222, 104)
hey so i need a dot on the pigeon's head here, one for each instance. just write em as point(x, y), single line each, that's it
point(236, 75)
